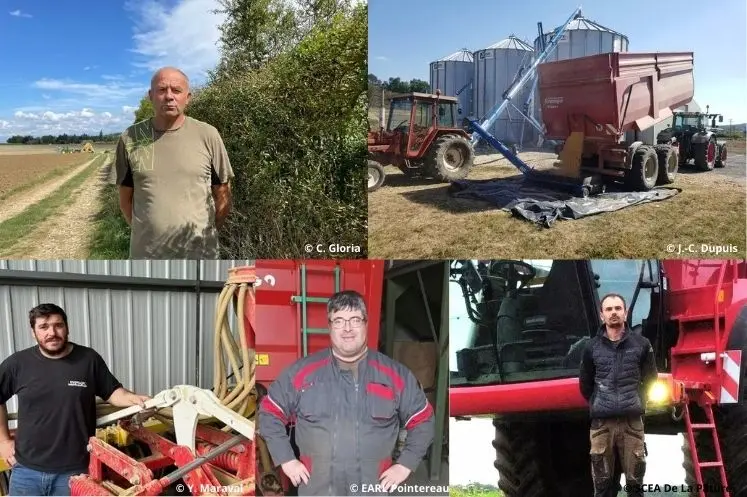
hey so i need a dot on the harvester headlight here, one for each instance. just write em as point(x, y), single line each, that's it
point(659, 393)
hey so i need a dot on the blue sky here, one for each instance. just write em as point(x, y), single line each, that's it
point(406, 35)
point(84, 68)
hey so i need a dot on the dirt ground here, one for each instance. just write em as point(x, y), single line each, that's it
point(69, 240)
point(417, 218)
point(17, 170)
point(17, 203)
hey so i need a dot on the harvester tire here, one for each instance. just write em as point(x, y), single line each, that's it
point(668, 164)
point(705, 154)
point(450, 158)
point(540, 459)
point(376, 175)
point(731, 425)
point(644, 171)
point(721, 157)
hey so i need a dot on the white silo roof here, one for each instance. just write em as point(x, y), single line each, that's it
point(511, 43)
point(463, 55)
point(580, 22)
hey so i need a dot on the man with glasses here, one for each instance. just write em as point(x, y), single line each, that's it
point(347, 403)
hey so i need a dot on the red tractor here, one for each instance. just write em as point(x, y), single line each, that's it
point(421, 138)
point(519, 361)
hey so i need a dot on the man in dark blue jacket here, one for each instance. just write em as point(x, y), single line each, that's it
point(347, 403)
point(617, 366)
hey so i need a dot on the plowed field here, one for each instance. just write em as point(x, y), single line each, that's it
point(17, 170)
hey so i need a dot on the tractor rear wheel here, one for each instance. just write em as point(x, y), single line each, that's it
point(721, 158)
point(645, 169)
point(540, 459)
point(450, 158)
point(705, 154)
point(668, 164)
point(376, 175)
point(731, 425)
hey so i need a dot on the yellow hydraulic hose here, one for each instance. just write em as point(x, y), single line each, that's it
point(228, 351)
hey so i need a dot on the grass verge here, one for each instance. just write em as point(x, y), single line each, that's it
point(475, 490)
point(111, 233)
point(14, 229)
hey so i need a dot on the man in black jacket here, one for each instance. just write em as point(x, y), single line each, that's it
point(617, 366)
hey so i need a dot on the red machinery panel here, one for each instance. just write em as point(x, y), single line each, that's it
point(605, 95)
point(284, 332)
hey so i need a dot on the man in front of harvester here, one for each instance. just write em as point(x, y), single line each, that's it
point(348, 403)
point(57, 382)
point(173, 174)
point(617, 367)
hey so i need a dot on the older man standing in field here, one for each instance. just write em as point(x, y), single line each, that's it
point(173, 174)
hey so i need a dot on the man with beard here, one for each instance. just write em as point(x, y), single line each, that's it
point(617, 367)
point(347, 403)
point(57, 382)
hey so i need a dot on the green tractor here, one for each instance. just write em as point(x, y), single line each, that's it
point(697, 141)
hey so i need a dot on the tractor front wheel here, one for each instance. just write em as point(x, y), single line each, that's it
point(450, 158)
point(731, 425)
point(721, 158)
point(705, 155)
point(376, 175)
point(644, 172)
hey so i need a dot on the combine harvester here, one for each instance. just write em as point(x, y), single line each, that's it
point(531, 323)
point(206, 435)
point(589, 104)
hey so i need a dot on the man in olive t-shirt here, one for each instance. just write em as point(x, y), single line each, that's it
point(173, 174)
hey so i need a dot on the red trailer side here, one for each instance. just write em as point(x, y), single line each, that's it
point(285, 284)
point(605, 95)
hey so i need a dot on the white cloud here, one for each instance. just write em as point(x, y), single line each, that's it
point(186, 35)
point(106, 92)
point(46, 97)
point(382, 58)
point(112, 77)
point(48, 122)
point(127, 109)
point(87, 68)
point(18, 13)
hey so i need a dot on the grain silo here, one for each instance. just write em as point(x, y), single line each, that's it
point(453, 75)
point(582, 37)
point(495, 69)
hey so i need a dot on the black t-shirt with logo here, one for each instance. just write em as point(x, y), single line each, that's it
point(56, 405)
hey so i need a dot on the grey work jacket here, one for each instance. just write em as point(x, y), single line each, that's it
point(346, 429)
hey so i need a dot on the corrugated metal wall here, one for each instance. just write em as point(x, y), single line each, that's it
point(150, 338)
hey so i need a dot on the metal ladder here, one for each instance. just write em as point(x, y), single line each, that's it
point(697, 463)
point(304, 300)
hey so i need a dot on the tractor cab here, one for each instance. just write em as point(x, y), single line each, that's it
point(414, 115)
point(530, 320)
point(694, 120)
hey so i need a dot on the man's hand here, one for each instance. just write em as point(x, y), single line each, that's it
point(296, 471)
point(124, 398)
point(393, 477)
point(8, 451)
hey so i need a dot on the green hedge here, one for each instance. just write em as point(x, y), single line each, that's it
point(295, 133)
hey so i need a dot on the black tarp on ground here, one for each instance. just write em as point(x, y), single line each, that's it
point(542, 205)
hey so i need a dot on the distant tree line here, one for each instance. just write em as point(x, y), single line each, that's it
point(396, 85)
point(62, 139)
